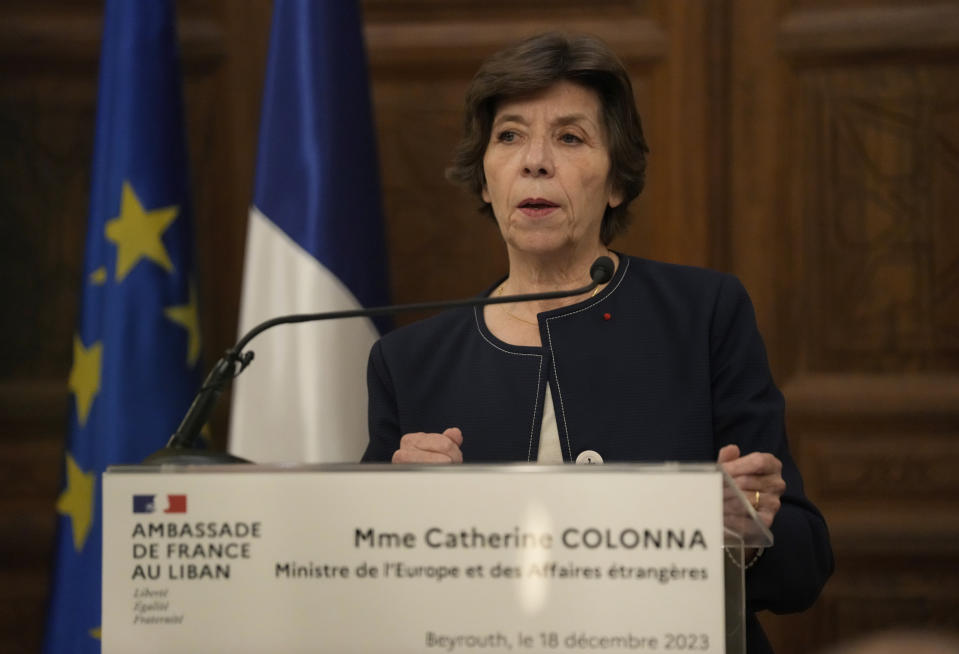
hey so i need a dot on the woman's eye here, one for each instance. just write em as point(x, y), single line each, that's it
point(506, 136)
point(570, 138)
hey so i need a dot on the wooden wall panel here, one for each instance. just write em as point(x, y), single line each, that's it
point(47, 97)
point(880, 172)
point(843, 136)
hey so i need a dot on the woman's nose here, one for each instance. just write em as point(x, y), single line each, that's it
point(539, 160)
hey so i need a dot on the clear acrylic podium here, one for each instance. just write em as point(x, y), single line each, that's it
point(743, 531)
point(343, 558)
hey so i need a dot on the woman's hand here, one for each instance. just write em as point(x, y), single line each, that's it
point(758, 471)
point(420, 447)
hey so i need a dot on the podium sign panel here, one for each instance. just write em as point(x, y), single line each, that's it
point(413, 559)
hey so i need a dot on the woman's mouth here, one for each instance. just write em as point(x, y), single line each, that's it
point(537, 207)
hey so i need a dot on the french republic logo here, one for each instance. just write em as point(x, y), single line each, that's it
point(147, 504)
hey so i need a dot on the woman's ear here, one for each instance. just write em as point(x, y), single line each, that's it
point(615, 198)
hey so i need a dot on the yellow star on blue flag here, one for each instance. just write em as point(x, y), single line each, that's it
point(134, 373)
point(187, 316)
point(138, 233)
point(76, 502)
point(84, 379)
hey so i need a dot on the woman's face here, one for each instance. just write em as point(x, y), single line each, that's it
point(547, 170)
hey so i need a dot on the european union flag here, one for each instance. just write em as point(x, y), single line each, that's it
point(136, 353)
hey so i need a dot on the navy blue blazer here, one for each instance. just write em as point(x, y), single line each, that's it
point(665, 364)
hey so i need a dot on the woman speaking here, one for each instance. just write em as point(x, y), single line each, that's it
point(662, 363)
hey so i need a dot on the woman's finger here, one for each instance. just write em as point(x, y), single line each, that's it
point(422, 447)
point(754, 463)
point(771, 483)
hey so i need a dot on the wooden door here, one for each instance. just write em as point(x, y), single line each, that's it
point(842, 169)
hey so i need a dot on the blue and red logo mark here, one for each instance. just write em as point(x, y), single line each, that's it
point(147, 504)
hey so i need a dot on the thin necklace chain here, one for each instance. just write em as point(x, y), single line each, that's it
point(512, 315)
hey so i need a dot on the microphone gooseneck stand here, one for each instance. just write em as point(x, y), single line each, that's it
point(182, 447)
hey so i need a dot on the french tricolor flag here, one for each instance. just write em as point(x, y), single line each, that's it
point(314, 243)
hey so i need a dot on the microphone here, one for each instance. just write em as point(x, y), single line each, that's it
point(601, 271)
point(181, 448)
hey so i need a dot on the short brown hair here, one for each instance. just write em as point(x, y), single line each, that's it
point(534, 65)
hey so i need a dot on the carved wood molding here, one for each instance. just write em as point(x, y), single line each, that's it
point(886, 530)
point(864, 610)
point(457, 43)
point(905, 468)
point(41, 401)
point(431, 6)
point(863, 395)
point(870, 30)
point(63, 37)
point(874, 589)
point(879, 170)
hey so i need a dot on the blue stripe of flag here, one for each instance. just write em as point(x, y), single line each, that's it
point(317, 176)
